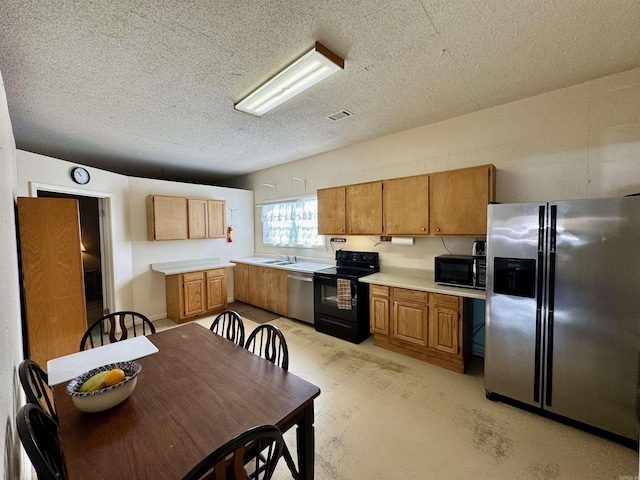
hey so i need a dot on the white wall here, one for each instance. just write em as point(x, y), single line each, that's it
point(10, 332)
point(135, 286)
point(148, 286)
point(578, 142)
point(53, 174)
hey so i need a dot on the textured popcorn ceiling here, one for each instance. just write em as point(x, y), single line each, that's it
point(147, 87)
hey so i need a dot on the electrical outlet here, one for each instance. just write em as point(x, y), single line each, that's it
point(338, 239)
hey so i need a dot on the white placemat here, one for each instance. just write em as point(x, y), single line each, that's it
point(65, 368)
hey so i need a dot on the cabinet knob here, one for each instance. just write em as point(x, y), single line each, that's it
point(437, 229)
point(423, 229)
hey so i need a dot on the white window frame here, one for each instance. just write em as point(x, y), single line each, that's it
point(291, 212)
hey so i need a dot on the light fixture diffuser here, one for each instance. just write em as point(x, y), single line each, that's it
point(314, 66)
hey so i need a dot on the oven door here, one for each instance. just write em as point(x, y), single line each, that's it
point(325, 297)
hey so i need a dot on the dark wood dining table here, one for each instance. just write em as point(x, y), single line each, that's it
point(195, 394)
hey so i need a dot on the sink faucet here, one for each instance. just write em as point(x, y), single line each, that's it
point(288, 258)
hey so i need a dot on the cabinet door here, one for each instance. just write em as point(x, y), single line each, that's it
point(277, 291)
point(406, 205)
point(331, 211)
point(166, 218)
point(240, 282)
point(197, 217)
point(257, 277)
point(216, 289)
point(379, 311)
point(459, 199)
point(216, 211)
point(409, 322)
point(364, 208)
point(193, 293)
point(444, 324)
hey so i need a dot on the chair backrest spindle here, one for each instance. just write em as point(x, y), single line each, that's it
point(269, 342)
point(229, 325)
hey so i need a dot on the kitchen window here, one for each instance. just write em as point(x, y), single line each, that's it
point(293, 223)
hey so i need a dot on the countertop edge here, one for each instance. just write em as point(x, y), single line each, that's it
point(424, 284)
point(177, 269)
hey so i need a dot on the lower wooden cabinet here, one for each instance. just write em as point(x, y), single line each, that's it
point(423, 325)
point(262, 287)
point(193, 294)
point(379, 309)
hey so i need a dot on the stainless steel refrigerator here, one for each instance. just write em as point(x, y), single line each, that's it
point(563, 309)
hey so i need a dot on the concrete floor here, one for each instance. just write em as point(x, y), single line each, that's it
point(382, 415)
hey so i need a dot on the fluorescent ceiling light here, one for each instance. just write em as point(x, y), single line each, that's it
point(312, 67)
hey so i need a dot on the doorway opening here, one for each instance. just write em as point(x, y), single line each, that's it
point(92, 251)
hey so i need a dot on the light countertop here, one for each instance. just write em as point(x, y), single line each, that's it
point(302, 265)
point(420, 280)
point(185, 266)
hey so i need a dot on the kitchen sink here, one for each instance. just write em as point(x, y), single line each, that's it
point(280, 262)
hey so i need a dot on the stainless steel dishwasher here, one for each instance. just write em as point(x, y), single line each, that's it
point(300, 296)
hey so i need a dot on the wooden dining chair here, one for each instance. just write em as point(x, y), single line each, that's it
point(39, 435)
point(35, 383)
point(105, 328)
point(268, 342)
point(251, 455)
point(229, 325)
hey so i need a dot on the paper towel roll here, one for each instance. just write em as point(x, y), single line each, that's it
point(402, 240)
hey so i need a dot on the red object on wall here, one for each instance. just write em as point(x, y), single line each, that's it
point(229, 234)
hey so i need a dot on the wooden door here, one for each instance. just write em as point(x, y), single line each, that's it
point(458, 200)
point(406, 206)
point(193, 293)
point(216, 211)
point(167, 218)
point(444, 324)
point(379, 309)
point(257, 281)
point(216, 290)
point(52, 276)
point(277, 291)
point(240, 282)
point(364, 208)
point(331, 211)
point(410, 317)
point(197, 209)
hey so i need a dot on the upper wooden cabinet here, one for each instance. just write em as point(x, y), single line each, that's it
point(180, 218)
point(406, 205)
point(363, 207)
point(331, 211)
point(167, 218)
point(216, 211)
point(197, 209)
point(350, 210)
point(459, 199)
point(444, 203)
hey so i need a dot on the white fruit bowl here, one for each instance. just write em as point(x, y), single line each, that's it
point(100, 400)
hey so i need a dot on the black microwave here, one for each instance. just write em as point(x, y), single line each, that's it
point(461, 271)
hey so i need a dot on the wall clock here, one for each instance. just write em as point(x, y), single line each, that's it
point(80, 175)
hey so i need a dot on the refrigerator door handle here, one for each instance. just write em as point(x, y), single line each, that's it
point(539, 285)
point(550, 304)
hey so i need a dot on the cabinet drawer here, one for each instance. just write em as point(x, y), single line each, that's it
point(218, 272)
point(446, 301)
point(379, 290)
point(192, 276)
point(412, 295)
